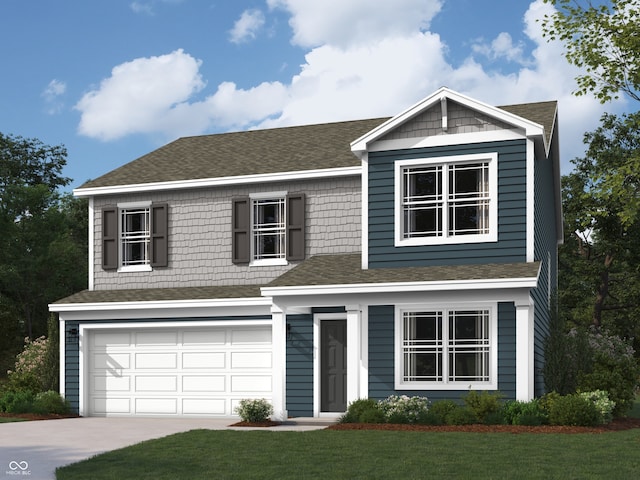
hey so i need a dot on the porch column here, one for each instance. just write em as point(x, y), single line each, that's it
point(279, 349)
point(354, 347)
point(524, 350)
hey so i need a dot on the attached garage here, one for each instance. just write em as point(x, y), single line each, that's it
point(175, 371)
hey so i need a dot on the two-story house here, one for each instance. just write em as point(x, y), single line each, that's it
point(319, 264)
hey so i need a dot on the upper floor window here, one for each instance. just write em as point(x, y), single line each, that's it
point(446, 348)
point(446, 200)
point(268, 229)
point(134, 236)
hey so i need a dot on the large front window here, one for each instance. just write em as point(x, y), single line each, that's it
point(449, 201)
point(445, 348)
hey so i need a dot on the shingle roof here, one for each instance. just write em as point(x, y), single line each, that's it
point(162, 294)
point(254, 152)
point(346, 270)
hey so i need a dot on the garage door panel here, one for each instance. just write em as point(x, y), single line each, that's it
point(178, 371)
point(156, 383)
point(156, 338)
point(251, 383)
point(110, 361)
point(111, 383)
point(200, 360)
point(156, 406)
point(112, 339)
point(103, 406)
point(203, 383)
point(252, 360)
point(156, 360)
point(204, 337)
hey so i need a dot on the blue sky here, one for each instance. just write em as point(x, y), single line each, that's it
point(114, 79)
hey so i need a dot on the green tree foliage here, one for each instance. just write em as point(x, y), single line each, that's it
point(600, 261)
point(43, 246)
point(602, 38)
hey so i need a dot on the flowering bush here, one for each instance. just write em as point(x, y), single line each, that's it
point(404, 409)
point(603, 404)
point(254, 410)
point(29, 373)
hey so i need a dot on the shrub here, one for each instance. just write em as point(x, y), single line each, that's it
point(442, 408)
point(17, 401)
point(603, 405)
point(461, 416)
point(524, 413)
point(50, 402)
point(573, 410)
point(404, 409)
point(29, 373)
point(254, 410)
point(484, 404)
point(361, 409)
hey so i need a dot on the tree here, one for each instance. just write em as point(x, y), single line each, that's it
point(600, 261)
point(603, 39)
point(43, 249)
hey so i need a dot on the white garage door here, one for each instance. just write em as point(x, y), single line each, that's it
point(172, 372)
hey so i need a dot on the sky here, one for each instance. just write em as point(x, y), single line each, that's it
point(112, 80)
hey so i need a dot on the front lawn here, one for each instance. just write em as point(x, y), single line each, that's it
point(366, 454)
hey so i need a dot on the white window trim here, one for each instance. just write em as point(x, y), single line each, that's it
point(492, 236)
point(269, 262)
point(492, 384)
point(129, 268)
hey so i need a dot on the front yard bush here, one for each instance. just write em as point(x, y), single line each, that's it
point(404, 409)
point(574, 410)
point(13, 401)
point(50, 402)
point(486, 406)
point(524, 413)
point(254, 410)
point(361, 409)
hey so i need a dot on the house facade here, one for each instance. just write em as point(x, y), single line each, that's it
point(319, 264)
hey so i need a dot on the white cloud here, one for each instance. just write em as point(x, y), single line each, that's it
point(142, 7)
point(247, 26)
point(344, 23)
point(361, 62)
point(55, 89)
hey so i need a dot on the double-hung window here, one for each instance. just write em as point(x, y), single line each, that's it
point(268, 228)
point(134, 236)
point(446, 348)
point(446, 200)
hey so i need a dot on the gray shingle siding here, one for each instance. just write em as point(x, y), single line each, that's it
point(511, 244)
point(200, 233)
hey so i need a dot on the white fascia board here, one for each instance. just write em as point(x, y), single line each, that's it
point(444, 140)
point(162, 309)
point(530, 128)
point(219, 182)
point(400, 287)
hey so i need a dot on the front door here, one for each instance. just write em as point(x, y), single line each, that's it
point(333, 365)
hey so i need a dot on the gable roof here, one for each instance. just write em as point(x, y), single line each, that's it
point(240, 156)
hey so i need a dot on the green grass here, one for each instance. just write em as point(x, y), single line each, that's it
point(11, 419)
point(327, 454)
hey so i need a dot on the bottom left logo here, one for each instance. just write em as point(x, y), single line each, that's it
point(18, 468)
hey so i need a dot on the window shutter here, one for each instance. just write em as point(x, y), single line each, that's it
point(109, 238)
point(295, 227)
point(159, 245)
point(241, 230)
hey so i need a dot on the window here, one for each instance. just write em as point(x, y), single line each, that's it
point(446, 348)
point(268, 229)
point(134, 236)
point(446, 200)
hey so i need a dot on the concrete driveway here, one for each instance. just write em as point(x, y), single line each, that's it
point(35, 449)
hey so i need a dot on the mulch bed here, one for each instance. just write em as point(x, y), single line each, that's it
point(37, 416)
point(616, 425)
point(268, 423)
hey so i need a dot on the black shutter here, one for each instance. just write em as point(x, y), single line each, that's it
point(159, 245)
point(241, 230)
point(295, 227)
point(109, 238)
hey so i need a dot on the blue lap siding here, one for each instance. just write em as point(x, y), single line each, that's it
point(511, 244)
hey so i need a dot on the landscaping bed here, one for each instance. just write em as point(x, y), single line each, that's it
point(616, 425)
